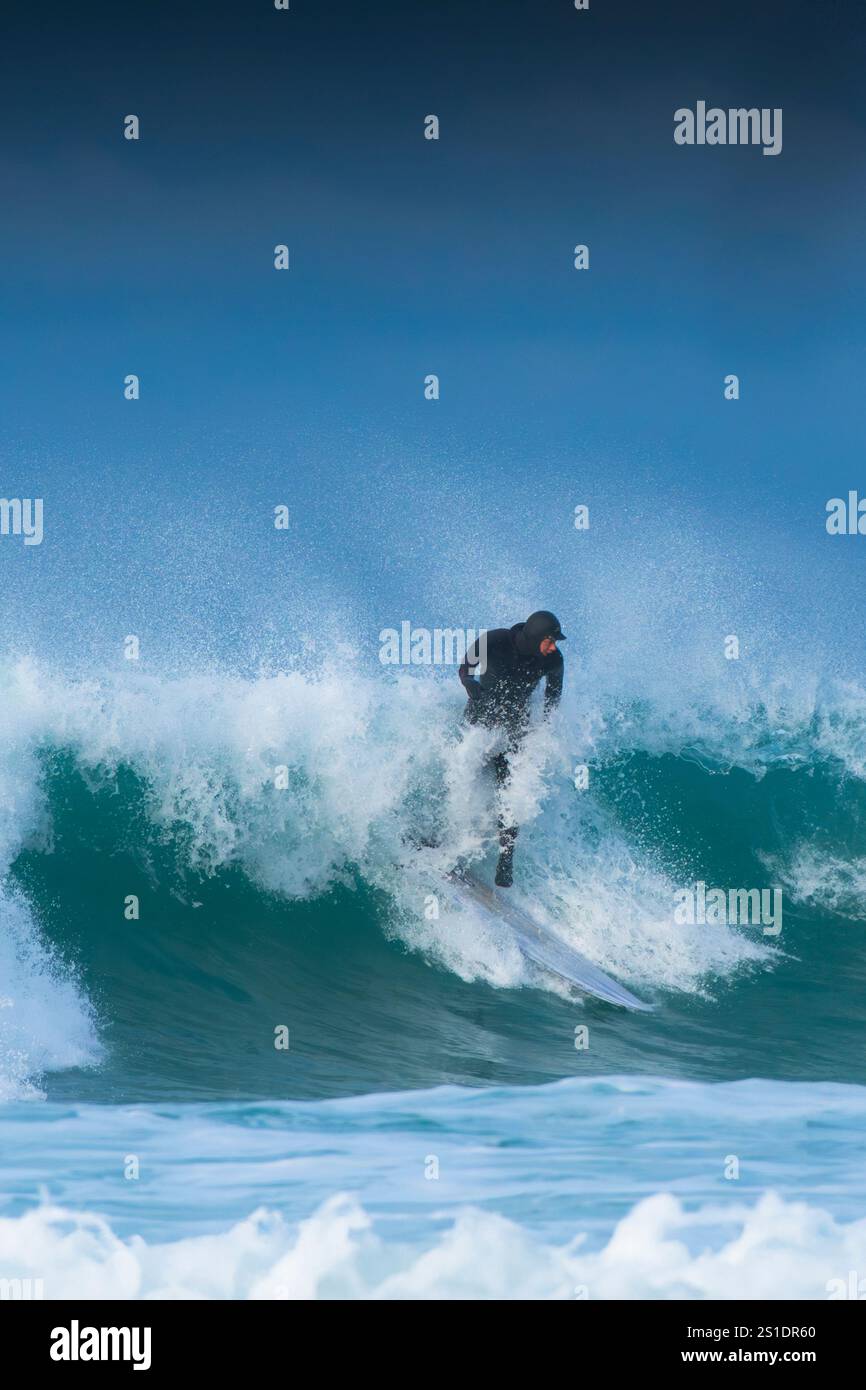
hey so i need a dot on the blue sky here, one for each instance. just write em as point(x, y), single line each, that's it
point(410, 257)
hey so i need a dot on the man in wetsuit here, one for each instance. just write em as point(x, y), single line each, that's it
point(509, 663)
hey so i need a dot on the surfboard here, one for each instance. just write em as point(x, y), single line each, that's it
point(540, 945)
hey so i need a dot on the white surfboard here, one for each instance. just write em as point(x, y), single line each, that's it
point(540, 945)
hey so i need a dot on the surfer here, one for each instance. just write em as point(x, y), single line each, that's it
point(499, 673)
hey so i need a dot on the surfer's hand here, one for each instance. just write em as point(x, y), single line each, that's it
point(468, 681)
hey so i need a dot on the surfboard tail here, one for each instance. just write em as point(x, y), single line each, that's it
point(545, 949)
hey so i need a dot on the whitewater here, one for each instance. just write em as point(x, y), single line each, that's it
point(504, 1194)
point(178, 779)
point(433, 1130)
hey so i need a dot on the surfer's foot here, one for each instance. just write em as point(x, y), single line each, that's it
point(504, 872)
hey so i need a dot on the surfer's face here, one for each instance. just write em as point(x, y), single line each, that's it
point(547, 646)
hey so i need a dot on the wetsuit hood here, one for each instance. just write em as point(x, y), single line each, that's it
point(538, 626)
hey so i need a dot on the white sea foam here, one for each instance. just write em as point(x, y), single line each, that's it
point(46, 1023)
point(812, 874)
point(373, 763)
point(540, 1192)
point(772, 1249)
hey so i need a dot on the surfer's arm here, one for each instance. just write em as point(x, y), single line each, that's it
point(553, 687)
point(469, 682)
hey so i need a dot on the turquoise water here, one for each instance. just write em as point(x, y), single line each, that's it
point(418, 1039)
point(184, 997)
point(582, 1189)
point(215, 839)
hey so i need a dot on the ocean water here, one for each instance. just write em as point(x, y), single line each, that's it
point(432, 1129)
point(229, 840)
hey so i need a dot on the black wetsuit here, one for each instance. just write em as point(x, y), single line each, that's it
point(508, 674)
point(509, 666)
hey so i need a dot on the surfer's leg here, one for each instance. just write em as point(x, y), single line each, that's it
point(507, 833)
point(505, 867)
